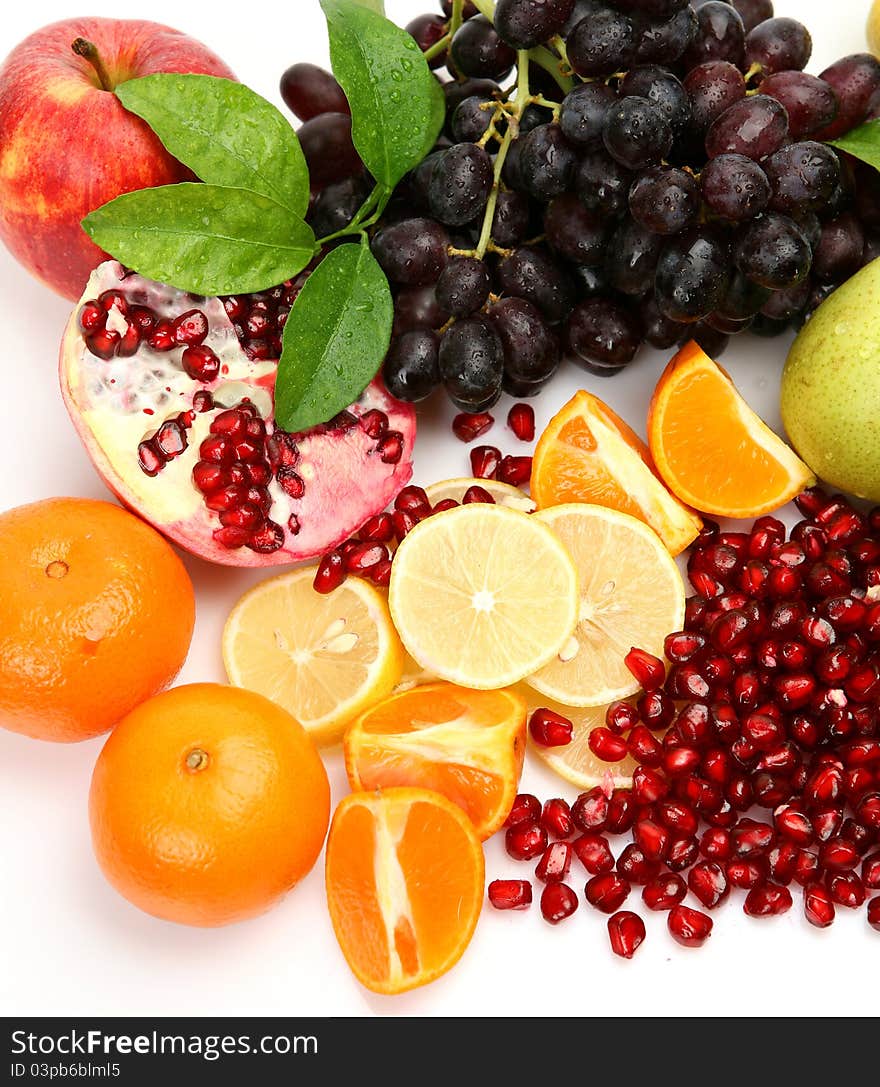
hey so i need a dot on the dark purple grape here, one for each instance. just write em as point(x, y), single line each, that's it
point(692, 274)
point(713, 88)
point(573, 232)
point(636, 133)
point(868, 195)
point(427, 30)
point(420, 179)
point(784, 305)
point(659, 330)
point(843, 197)
point(873, 111)
point(412, 252)
point(871, 250)
point(521, 390)
point(309, 90)
point(328, 149)
point(510, 224)
point(663, 42)
point(802, 176)
point(530, 272)
point(767, 328)
point(534, 116)
point(603, 335)
point(531, 347)
point(753, 12)
point(417, 307)
point(602, 184)
point(631, 258)
point(468, 9)
point(463, 286)
point(547, 162)
point(510, 171)
point(455, 93)
point(839, 253)
point(712, 342)
point(460, 184)
point(773, 251)
point(602, 43)
point(471, 361)
point(336, 204)
point(471, 119)
point(742, 299)
point(588, 280)
point(754, 127)
point(654, 9)
point(720, 36)
point(735, 187)
point(477, 50)
point(583, 113)
point(663, 89)
point(411, 371)
point(810, 103)
point(778, 45)
point(523, 24)
point(855, 80)
point(664, 199)
point(809, 225)
point(727, 326)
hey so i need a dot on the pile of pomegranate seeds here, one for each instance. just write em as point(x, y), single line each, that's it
point(771, 705)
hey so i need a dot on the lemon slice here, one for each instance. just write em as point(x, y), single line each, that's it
point(483, 595)
point(503, 493)
point(324, 658)
point(631, 595)
point(576, 762)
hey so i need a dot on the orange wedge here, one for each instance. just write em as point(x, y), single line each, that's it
point(467, 745)
point(711, 448)
point(589, 454)
point(405, 878)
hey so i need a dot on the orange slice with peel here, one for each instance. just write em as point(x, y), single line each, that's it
point(467, 745)
point(712, 450)
point(588, 454)
point(405, 878)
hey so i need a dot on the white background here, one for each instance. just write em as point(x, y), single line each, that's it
point(70, 945)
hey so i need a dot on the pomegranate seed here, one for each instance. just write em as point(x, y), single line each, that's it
point(750, 838)
point(590, 810)
point(656, 710)
point(874, 913)
point(607, 892)
point(871, 872)
point(782, 862)
point(200, 363)
point(227, 498)
point(556, 818)
point(558, 901)
point(403, 523)
point(450, 503)
point(767, 900)
point(827, 823)
point(554, 863)
point(171, 439)
point(364, 556)
point(715, 844)
point(475, 494)
point(92, 316)
point(380, 574)
point(818, 906)
point(550, 729)
point(648, 670)
point(103, 342)
point(413, 500)
point(510, 894)
point(648, 786)
point(806, 867)
point(379, 529)
point(190, 328)
point(683, 852)
point(620, 717)
point(232, 423)
point(231, 536)
point(652, 839)
point(838, 856)
point(390, 448)
point(266, 539)
point(374, 423)
point(635, 866)
point(793, 824)
point(330, 573)
point(594, 853)
point(745, 874)
point(484, 461)
point(290, 482)
point(644, 747)
point(688, 927)
point(621, 813)
point(824, 786)
point(202, 401)
point(526, 809)
point(523, 841)
point(606, 746)
point(514, 470)
point(847, 890)
point(664, 891)
point(467, 427)
point(150, 459)
point(626, 931)
point(521, 420)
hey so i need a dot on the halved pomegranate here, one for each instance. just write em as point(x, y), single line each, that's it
point(175, 407)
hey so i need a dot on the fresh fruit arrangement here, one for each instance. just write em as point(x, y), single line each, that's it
point(260, 309)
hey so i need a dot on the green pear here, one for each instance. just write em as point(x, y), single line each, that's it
point(830, 397)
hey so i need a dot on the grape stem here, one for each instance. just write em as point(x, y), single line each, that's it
point(550, 63)
point(438, 47)
point(366, 216)
point(487, 8)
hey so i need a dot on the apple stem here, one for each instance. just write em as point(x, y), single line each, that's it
point(84, 48)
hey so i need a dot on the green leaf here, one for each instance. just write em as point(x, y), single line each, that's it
point(203, 238)
point(863, 142)
point(374, 5)
point(224, 132)
point(396, 102)
point(335, 338)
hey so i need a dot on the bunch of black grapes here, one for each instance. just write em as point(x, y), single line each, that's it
point(681, 190)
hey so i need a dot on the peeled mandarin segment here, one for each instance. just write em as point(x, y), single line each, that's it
point(589, 454)
point(712, 450)
point(575, 762)
point(631, 595)
point(467, 745)
point(482, 595)
point(503, 493)
point(405, 878)
point(324, 658)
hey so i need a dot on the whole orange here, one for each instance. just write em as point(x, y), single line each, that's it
point(208, 803)
point(97, 615)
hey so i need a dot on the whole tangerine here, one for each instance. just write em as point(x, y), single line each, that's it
point(98, 615)
point(208, 804)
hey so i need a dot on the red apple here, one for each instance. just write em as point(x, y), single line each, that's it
point(66, 143)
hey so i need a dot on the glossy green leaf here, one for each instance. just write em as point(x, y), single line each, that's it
point(203, 238)
point(862, 142)
point(397, 105)
point(335, 338)
point(224, 132)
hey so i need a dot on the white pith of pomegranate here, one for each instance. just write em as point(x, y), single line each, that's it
point(264, 497)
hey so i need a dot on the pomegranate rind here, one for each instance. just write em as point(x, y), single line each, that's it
point(346, 481)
